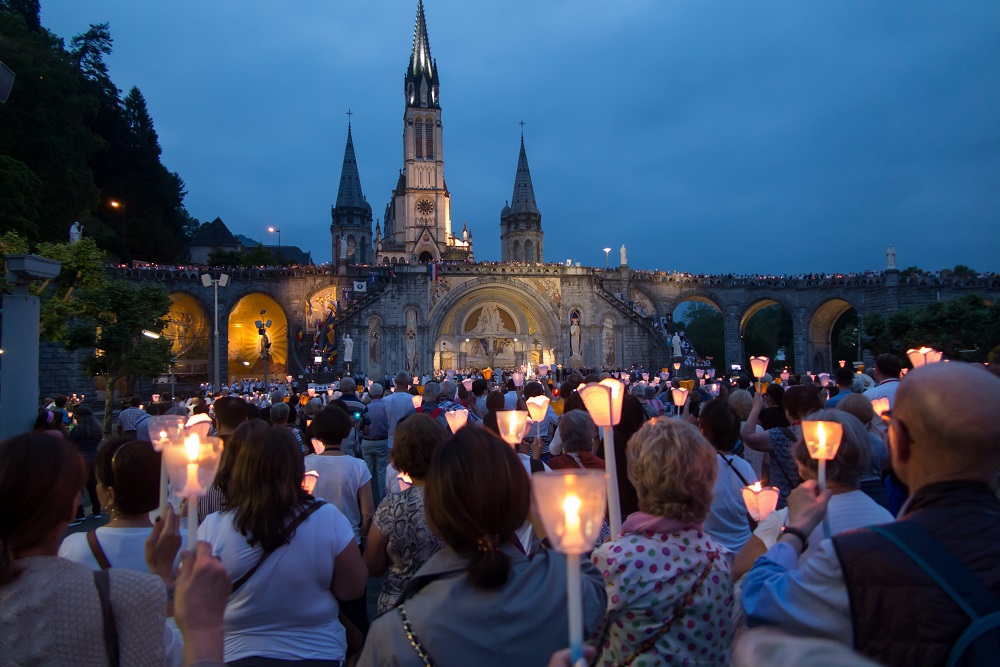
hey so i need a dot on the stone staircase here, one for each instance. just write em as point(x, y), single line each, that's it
point(661, 353)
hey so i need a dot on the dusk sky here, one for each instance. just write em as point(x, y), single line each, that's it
point(706, 135)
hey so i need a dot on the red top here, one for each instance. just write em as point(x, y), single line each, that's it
point(587, 460)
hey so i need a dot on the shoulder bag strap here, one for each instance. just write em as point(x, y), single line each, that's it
point(102, 580)
point(413, 639)
point(753, 524)
point(954, 578)
point(97, 550)
point(289, 531)
point(679, 609)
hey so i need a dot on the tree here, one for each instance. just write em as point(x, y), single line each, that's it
point(964, 328)
point(30, 11)
point(769, 330)
point(703, 327)
point(963, 271)
point(117, 314)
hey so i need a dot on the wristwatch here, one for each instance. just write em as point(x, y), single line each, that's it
point(797, 533)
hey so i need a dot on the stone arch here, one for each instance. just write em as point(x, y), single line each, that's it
point(759, 305)
point(820, 333)
point(352, 248)
point(515, 253)
point(189, 328)
point(245, 349)
point(535, 318)
point(362, 250)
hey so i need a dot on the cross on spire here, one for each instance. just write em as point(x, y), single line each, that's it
point(522, 128)
point(349, 114)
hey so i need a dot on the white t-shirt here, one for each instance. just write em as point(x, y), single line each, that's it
point(340, 477)
point(285, 610)
point(727, 519)
point(887, 389)
point(124, 547)
point(846, 511)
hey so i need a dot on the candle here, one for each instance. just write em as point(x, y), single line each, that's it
point(604, 403)
point(192, 448)
point(823, 440)
point(760, 502)
point(456, 419)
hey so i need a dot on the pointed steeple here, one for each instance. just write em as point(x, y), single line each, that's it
point(421, 76)
point(523, 200)
point(350, 194)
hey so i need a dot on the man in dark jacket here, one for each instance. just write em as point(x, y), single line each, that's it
point(862, 588)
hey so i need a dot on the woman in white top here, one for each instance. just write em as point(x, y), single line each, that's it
point(344, 480)
point(727, 521)
point(128, 482)
point(849, 507)
point(289, 576)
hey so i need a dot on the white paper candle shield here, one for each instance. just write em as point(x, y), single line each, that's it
point(760, 502)
point(822, 438)
point(513, 426)
point(538, 406)
point(571, 505)
point(923, 355)
point(758, 366)
point(456, 419)
point(417, 401)
point(467, 383)
point(192, 464)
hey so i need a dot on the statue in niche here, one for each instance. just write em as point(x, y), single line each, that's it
point(411, 341)
point(348, 349)
point(489, 321)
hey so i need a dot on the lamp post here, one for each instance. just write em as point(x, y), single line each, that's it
point(607, 261)
point(222, 281)
point(265, 347)
point(275, 230)
point(116, 205)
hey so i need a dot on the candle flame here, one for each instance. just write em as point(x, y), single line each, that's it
point(755, 487)
point(571, 506)
point(192, 447)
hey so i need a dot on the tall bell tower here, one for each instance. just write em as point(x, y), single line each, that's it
point(418, 219)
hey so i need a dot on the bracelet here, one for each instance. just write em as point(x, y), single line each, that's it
point(788, 530)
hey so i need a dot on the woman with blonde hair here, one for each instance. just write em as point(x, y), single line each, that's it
point(668, 582)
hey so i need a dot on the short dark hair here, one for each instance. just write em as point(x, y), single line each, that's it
point(61, 401)
point(417, 436)
point(135, 401)
point(889, 365)
point(331, 425)
point(776, 393)
point(479, 386)
point(844, 377)
point(132, 469)
point(494, 401)
point(532, 389)
point(801, 400)
point(230, 412)
point(720, 424)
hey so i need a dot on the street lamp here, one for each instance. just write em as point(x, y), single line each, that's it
point(262, 327)
point(222, 281)
point(607, 261)
point(275, 230)
point(116, 205)
point(150, 334)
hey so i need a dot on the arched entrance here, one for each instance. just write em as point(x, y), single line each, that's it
point(700, 320)
point(246, 344)
point(833, 334)
point(767, 329)
point(494, 325)
point(188, 329)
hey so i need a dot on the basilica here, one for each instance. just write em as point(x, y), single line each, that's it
point(407, 292)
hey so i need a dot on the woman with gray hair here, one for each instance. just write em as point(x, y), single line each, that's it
point(577, 432)
point(849, 507)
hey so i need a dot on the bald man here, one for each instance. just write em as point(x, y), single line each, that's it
point(864, 588)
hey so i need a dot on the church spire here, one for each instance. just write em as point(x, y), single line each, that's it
point(421, 76)
point(350, 194)
point(523, 200)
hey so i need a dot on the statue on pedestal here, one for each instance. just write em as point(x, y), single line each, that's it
point(890, 259)
point(75, 232)
point(624, 255)
point(348, 349)
point(676, 340)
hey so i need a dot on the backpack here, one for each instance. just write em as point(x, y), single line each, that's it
point(979, 643)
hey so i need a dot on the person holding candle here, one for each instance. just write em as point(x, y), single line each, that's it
point(50, 607)
point(944, 447)
point(888, 369)
point(742, 402)
point(668, 581)
point(871, 482)
point(783, 472)
point(87, 435)
point(728, 521)
point(399, 541)
point(480, 600)
point(577, 433)
point(128, 481)
point(540, 429)
point(849, 507)
point(290, 559)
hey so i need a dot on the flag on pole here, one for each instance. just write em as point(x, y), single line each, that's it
point(360, 286)
point(432, 269)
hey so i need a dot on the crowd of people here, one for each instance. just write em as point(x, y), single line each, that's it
point(320, 496)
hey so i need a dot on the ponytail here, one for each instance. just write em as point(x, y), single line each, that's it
point(489, 567)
